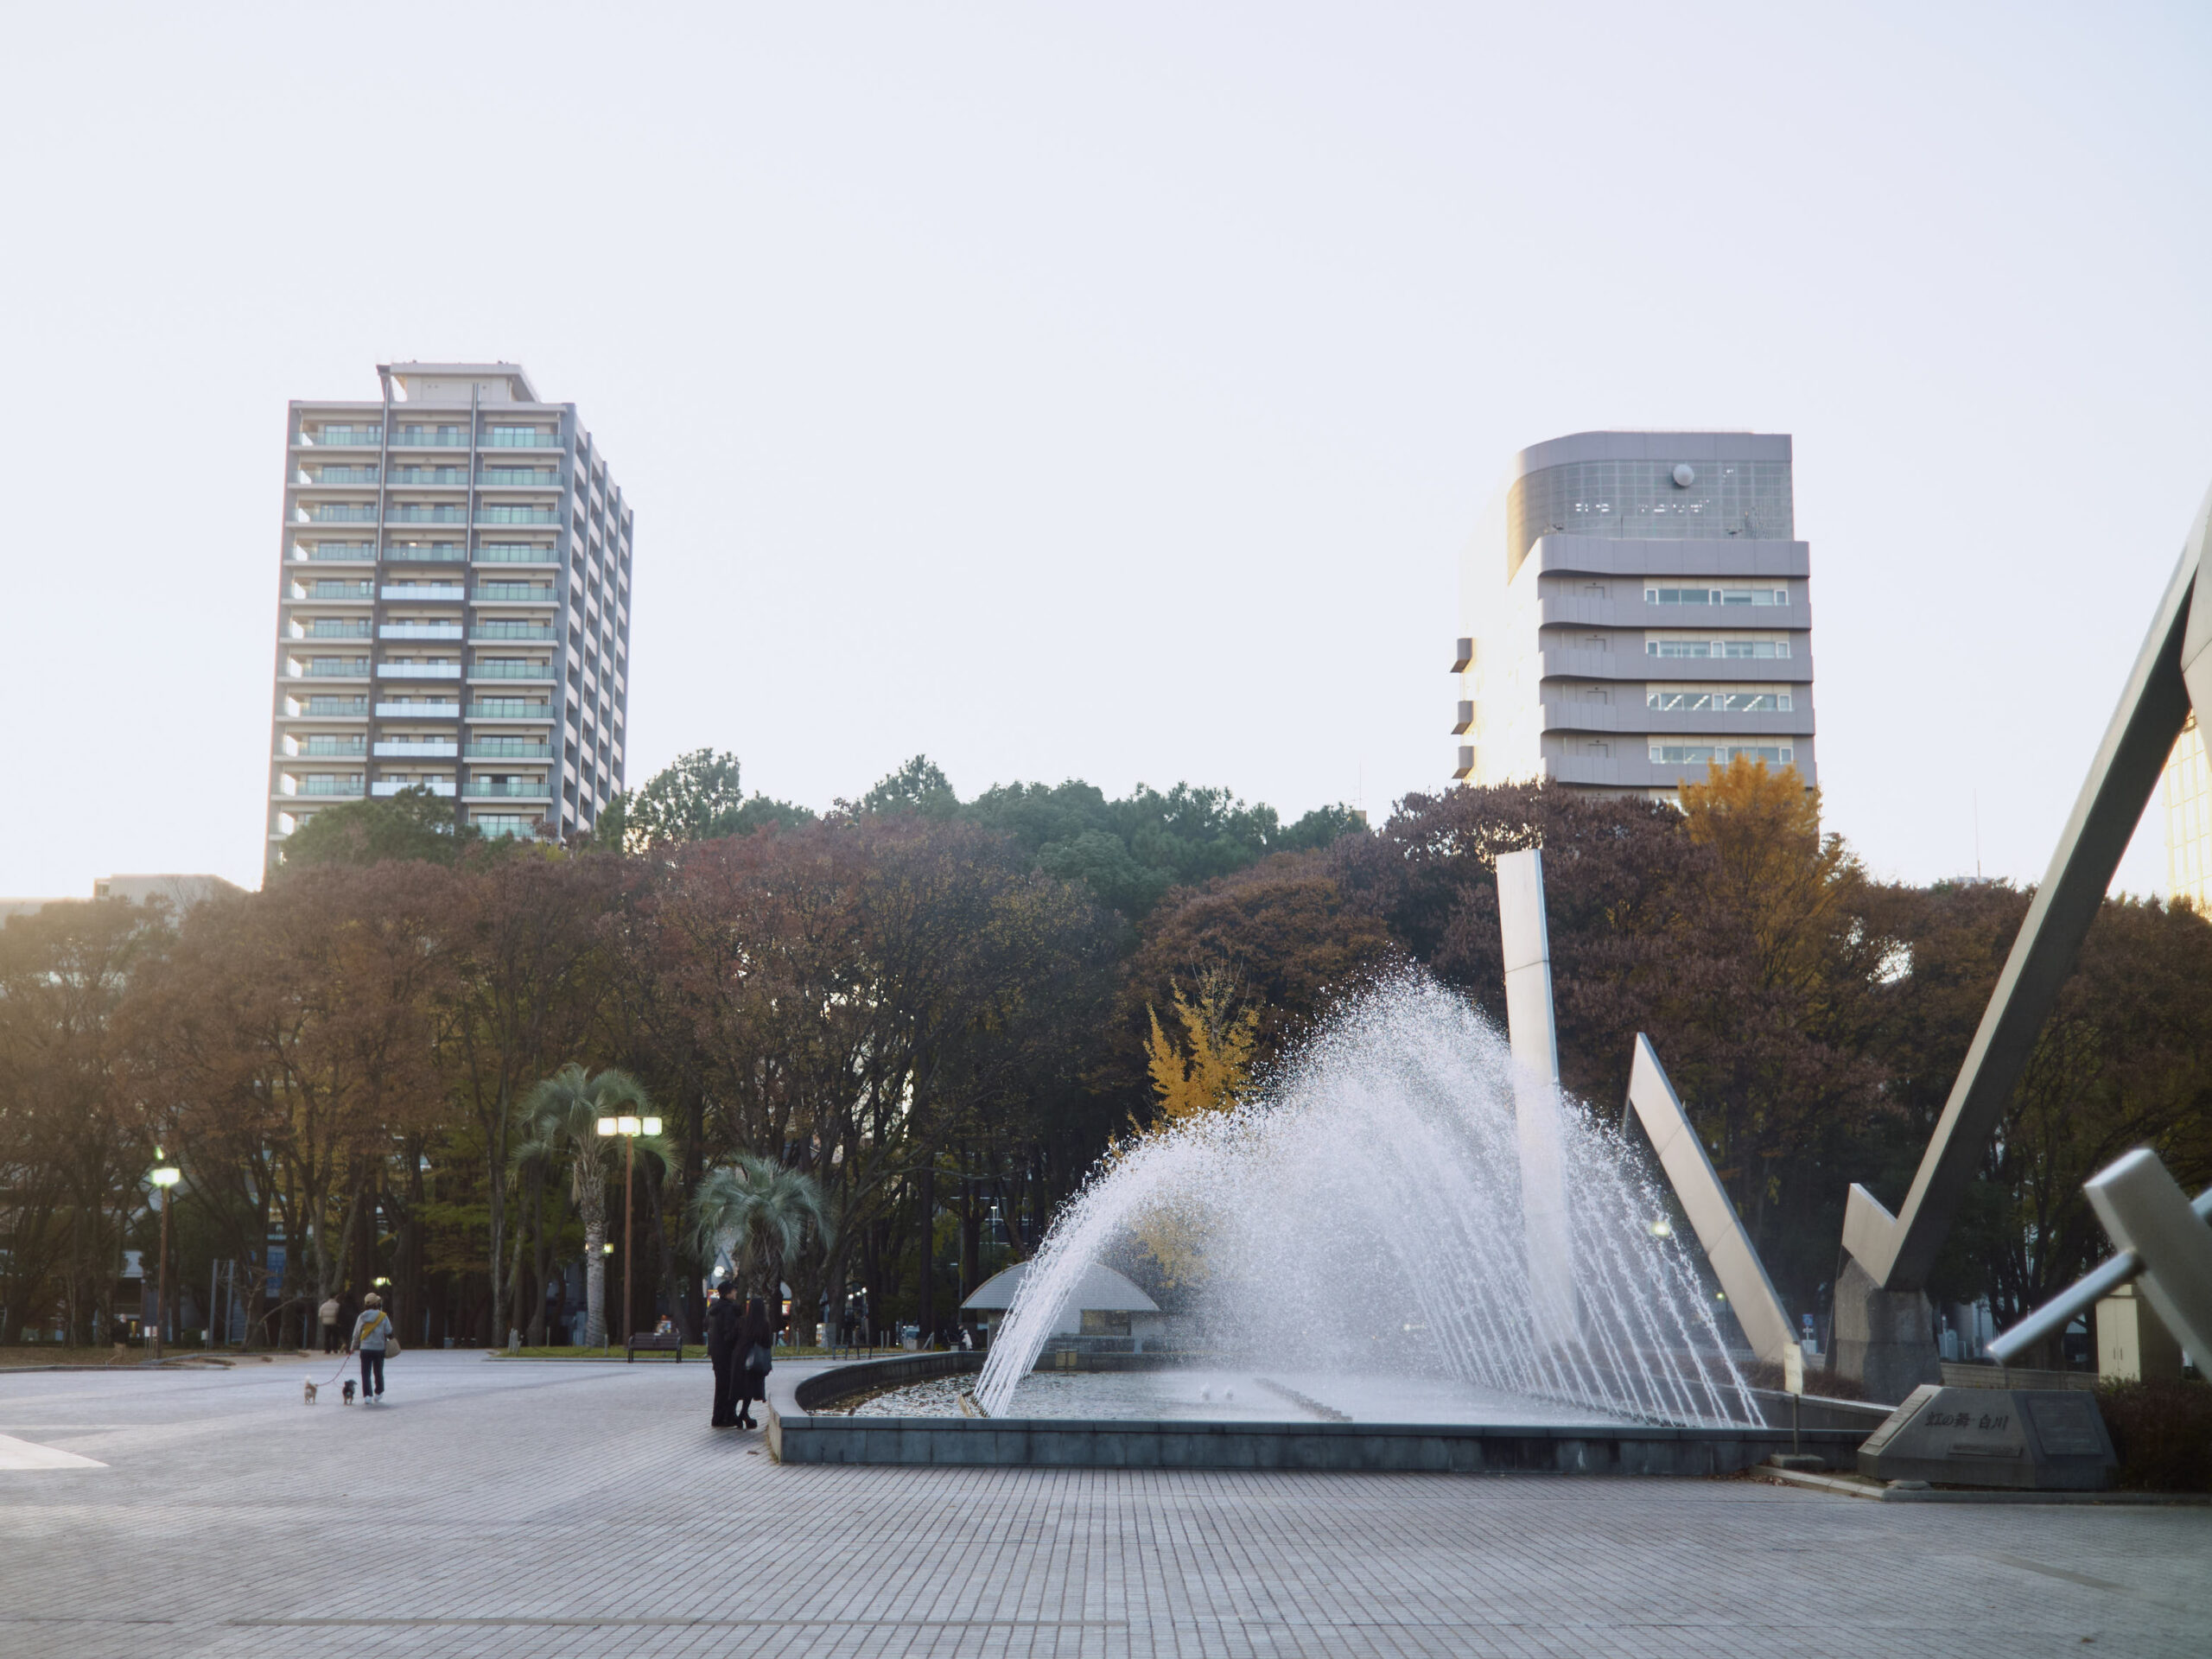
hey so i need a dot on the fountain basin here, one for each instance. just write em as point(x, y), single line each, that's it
point(804, 1427)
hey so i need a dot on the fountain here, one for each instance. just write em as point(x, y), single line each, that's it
point(1364, 1220)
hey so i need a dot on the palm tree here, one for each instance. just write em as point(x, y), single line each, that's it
point(561, 1118)
point(760, 1214)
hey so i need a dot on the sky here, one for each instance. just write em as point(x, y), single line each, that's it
point(1108, 392)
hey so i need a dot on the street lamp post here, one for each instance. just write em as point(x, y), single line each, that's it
point(164, 1176)
point(629, 1129)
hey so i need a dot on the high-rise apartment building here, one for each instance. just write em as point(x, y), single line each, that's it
point(1636, 608)
point(454, 605)
point(2189, 818)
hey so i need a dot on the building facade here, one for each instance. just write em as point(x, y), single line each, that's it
point(2189, 819)
point(1636, 608)
point(452, 605)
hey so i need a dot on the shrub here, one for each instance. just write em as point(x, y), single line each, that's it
point(2162, 1434)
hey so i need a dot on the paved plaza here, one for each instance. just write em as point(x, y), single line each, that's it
point(549, 1508)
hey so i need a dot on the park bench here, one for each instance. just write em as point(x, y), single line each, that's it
point(649, 1342)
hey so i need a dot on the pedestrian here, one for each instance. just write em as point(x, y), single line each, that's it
point(330, 1325)
point(723, 1317)
point(372, 1334)
point(756, 1340)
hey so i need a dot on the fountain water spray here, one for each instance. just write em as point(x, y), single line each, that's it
point(1365, 1216)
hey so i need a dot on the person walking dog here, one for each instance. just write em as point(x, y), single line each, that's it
point(372, 1339)
point(756, 1340)
point(723, 1317)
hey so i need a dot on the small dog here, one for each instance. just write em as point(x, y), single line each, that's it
point(310, 1393)
point(349, 1391)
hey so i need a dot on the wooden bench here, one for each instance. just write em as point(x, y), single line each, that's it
point(650, 1342)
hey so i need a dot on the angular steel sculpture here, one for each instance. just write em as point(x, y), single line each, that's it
point(1525, 935)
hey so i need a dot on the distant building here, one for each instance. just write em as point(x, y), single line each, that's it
point(2189, 819)
point(1637, 607)
point(180, 892)
point(453, 605)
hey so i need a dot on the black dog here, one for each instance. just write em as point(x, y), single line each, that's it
point(348, 1395)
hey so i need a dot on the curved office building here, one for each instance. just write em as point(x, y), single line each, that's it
point(1636, 608)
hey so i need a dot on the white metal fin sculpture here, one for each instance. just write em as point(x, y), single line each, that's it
point(2173, 669)
point(1728, 1248)
point(1534, 1040)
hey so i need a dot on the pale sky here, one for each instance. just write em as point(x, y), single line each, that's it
point(1109, 392)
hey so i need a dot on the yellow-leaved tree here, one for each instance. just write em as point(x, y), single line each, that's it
point(1206, 1071)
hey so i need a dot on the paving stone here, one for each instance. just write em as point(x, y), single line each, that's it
point(566, 1511)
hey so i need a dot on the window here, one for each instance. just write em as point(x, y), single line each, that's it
point(1726, 700)
point(1670, 646)
point(1718, 752)
point(1716, 595)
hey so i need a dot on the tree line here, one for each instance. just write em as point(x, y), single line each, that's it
point(944, 1012)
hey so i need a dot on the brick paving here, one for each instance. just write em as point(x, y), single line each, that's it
point(552, 1509)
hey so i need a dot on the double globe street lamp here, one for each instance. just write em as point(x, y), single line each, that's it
point(629, 1129)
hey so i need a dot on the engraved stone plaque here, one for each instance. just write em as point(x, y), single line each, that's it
point(2038, 1440)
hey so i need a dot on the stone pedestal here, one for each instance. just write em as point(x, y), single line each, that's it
point(1884, 1339)
point(2030, 1440)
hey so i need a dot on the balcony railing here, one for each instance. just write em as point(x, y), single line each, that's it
point(456, 475)
point(526, 477)
point(346, 552)
point(339, 590)
point(328, 786)
point(419, 711)
point(337, 746)
point(508, 553)
point(530, 591)
point(393, 786)
point(327, 629)
point(508, 748)
point(419, 631)
point(509, 709)
point(337, 668)
point(352, 437)
point(514, 631)
point(416, 553)
point(508, 789)
point(518, 515)
point(341, 475)
point(403, 747)
point(341, 707)
point(520, 438)
point(427, 591)
point(419, 670)
point(414, 512)
point(452, 438)
point(342, 512)
point(506, 826)
point(495, 671)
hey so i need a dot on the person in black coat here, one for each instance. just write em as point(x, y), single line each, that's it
point(754, 1332)
point(723, 1317)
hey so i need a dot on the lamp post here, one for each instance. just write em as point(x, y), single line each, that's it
point(629, 1129)
point(164, 1176)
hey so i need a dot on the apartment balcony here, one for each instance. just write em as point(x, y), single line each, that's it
point(507, 789)
point(437, 477)
point(482, 670)
point(340, 437)
point(517, 439)
point(449, 438)
point(516, 555)
point(329, 628)
point(419, 670)
point(326, 709)
point(419, 711)
point(534, 630)
point(334, 553)
point(346, 590)
point(344, 787)
point(445, 553)
point(525, 478)
point(500, 748)
point(510, 708)
point(408, 748)
point(330, 748)
point(419, 631)
point(426, 591)
point(329, 477)
point(513, 593)
point(338, 512)
point(330, 668)
point(518, 515)
point(393, 786)
point(422, 512)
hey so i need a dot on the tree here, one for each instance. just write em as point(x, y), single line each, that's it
point(695, 797)
point(561, 1121)
point(1207, 1072)
point(919, 786)
point(415, 824)
point(760, 1214)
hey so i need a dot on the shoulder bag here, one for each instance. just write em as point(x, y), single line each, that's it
point(759, 1360)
